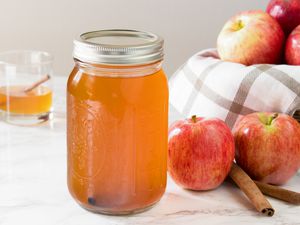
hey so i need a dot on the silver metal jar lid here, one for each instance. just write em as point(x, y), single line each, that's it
point(118, 47)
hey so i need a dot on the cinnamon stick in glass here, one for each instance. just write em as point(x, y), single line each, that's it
point(36, 84)
point(279, 193)
point(250, 189)
point(32, 86)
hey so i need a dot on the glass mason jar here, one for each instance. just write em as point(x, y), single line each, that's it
point(117, 121)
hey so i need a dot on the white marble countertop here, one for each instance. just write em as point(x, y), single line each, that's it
point(33, 187)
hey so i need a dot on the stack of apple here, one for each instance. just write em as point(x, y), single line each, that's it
point(257, 37)
point(266, 145)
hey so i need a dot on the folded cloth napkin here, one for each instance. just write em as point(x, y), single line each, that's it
point(209, 87)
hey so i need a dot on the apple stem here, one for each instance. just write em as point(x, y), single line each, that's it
point(271, 118)
point(240, 25)
point(194, 118)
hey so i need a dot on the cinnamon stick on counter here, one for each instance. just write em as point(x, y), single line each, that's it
point(279, 193)
point(251, 190)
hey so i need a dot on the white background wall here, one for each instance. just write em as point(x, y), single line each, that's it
point(187, 26)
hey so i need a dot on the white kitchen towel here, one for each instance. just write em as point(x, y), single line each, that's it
point(209, 87)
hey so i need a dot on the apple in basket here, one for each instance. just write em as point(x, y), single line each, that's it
point(286, 12)
point(251, 37)
point(292, 49)
point(200, 153)
point(268, 146)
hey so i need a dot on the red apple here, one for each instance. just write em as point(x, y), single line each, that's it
point(292, 49)
point(268, 146)
point(286, 12)
point(200, 154)
point(251, 37)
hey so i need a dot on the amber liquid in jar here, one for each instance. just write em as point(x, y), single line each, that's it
point(117, 140)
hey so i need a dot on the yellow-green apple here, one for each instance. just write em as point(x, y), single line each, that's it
point(286, 12)
point(200, 153)
point(292, 48)
point(268, 146)
point(251, 37)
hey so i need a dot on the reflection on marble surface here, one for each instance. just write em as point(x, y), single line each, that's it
point(33, 187)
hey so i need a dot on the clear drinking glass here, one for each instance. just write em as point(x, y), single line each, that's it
point(26, 87)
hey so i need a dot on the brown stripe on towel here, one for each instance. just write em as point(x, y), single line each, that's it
point(225, 103)
point(283, 78)
point(241, 95)
point(287, 81)
point(194, 79)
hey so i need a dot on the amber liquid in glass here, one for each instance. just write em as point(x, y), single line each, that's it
point(15, 100)
point(117, 141)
